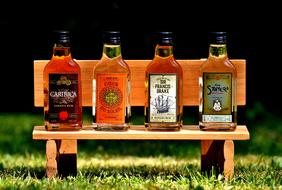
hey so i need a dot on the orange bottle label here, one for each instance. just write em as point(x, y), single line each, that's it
point(110, 99)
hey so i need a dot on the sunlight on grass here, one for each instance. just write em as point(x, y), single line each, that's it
point(118, 161)
point(27, 160)
point(258, 161)
point(131, 172)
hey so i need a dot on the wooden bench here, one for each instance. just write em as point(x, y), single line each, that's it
point(217, 148)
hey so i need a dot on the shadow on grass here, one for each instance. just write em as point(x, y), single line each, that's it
point(146, 172)
point(23, 172)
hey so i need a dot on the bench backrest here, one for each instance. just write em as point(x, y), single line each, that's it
point(137, 67)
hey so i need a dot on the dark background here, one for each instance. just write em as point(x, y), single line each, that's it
point(253, 29)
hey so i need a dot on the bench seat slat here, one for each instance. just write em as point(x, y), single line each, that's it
point(137, 132)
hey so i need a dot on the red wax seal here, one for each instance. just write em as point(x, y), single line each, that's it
point(63, 115)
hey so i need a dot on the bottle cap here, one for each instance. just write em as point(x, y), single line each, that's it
point(62, 37)
point(164, 38)
point(218, 38)
point(112, 37)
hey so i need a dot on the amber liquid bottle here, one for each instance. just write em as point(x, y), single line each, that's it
point(217, 84)
point(163, 88)
point(111, 87)
point(62, 87)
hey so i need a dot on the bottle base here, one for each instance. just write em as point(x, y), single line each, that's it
point(217, 126)
point(62, 127)
point(110, 127)
point(163, 127)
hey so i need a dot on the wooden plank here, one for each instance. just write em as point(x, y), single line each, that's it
point(189, 132)
point(137, 67)
point(67, 147)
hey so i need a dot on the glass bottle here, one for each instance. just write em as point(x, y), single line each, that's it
point(217, 85)
point(111, 87)
point(163, 88)
point(62, 87)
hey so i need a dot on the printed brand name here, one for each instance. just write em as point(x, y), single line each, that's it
point(62, 94)
point(162, 87)
point(111, 83)
point(217, 88)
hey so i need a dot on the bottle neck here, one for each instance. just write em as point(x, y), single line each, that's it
point(111, 50)
point(61, 51)
point(164, 51)
point(218, 51)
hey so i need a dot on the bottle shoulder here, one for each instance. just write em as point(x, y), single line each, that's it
point(164, 65)
point(108, 65)
point(218, 65)
point(62, 64)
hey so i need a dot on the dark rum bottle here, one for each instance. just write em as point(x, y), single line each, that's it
point(163, 87)
point(62, 87)
point(217, 84)
point(111, 87)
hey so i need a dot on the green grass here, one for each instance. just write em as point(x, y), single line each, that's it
point(149, 165)
point(127, 172)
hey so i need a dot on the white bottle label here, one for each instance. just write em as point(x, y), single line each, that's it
point(162, 98)
point(217, 118)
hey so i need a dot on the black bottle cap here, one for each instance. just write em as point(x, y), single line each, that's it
point(218, 38)
point(62, 37)
point(164, 38)
point(112, 37)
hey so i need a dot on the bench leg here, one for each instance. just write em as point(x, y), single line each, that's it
point(51, 155)
point(61, 158)
point(218, 155)
point(229, 159)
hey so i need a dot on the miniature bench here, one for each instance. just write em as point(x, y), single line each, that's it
point(217, 147)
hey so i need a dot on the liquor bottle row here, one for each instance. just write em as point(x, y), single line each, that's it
point(163, 104)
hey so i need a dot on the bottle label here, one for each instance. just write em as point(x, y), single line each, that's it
point(217, 97)
point(110, 98)
point(162, 98)
point(63, 98)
